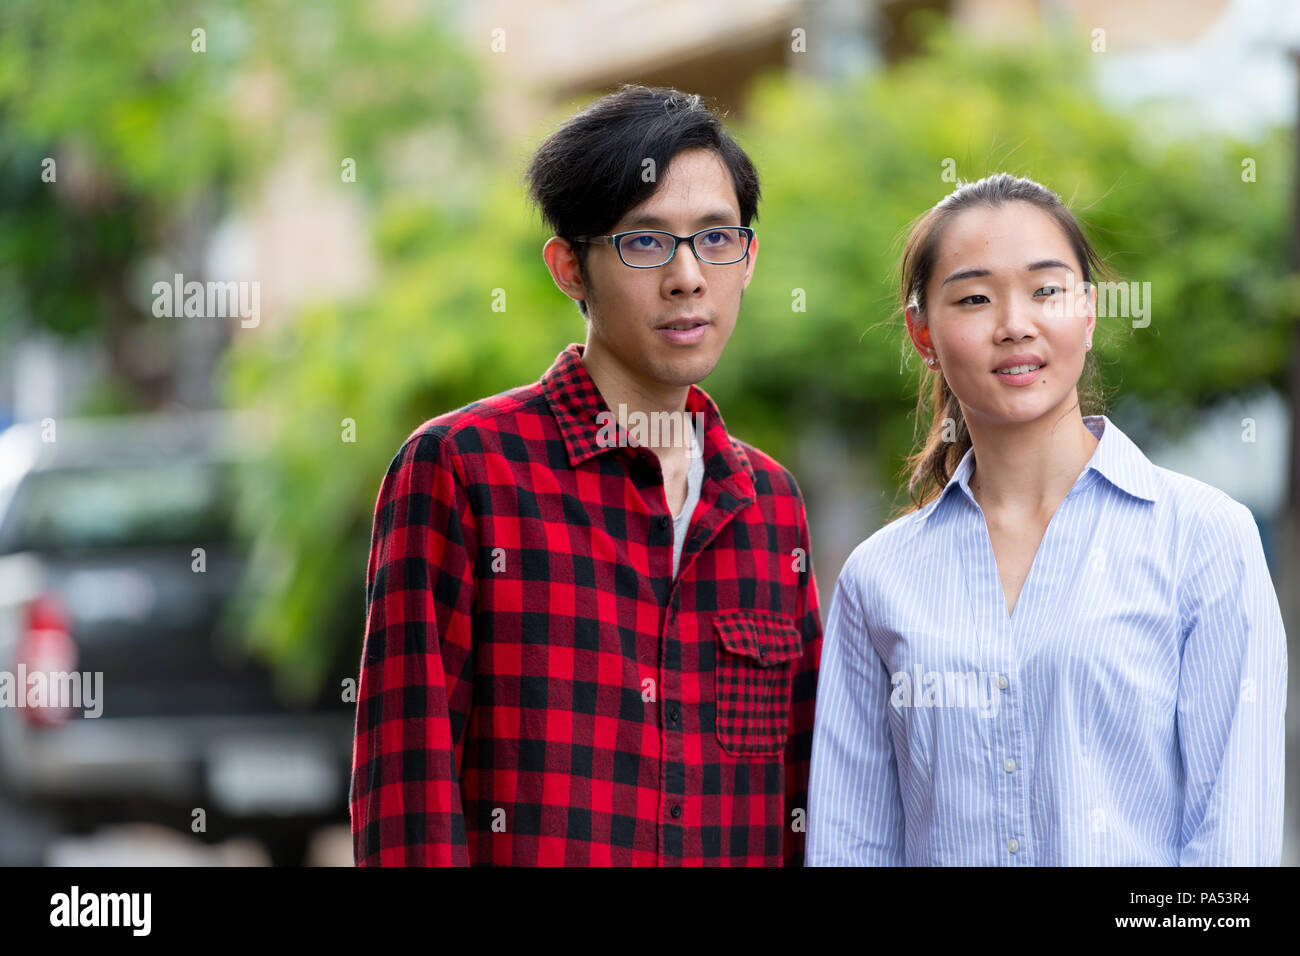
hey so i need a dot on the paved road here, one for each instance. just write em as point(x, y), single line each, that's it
point(149, 845)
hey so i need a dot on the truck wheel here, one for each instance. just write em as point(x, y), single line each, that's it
point(26, 833)
point(287, 847)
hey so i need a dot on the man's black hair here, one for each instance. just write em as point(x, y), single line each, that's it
point(589, 173)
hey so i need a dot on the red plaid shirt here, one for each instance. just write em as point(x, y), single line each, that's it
point(536, 686)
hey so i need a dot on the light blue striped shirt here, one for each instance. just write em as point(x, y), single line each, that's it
point(1129, 712)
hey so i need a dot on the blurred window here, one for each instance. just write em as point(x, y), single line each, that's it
point(149, 503)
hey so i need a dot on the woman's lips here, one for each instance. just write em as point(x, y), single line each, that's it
point(1024, 378)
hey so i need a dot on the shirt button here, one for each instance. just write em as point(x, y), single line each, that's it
point(673, 714)
point(1002, 682)
point(1013, 844)
point(676, 811)
point(663, 521)
point(1009, 764)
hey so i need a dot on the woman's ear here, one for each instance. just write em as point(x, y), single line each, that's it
point(1092, 311)
point(917, 329)
point(921, 336)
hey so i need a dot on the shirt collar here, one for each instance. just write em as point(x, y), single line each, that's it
point(576, 402)
point(1115, 458)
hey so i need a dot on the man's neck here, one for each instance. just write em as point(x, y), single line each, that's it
point(625, 395)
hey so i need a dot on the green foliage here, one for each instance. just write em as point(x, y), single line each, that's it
point(154, 139)
point(845, 169)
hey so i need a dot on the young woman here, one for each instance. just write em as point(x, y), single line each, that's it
point(1061, 654)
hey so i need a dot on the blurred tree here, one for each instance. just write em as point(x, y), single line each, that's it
point(845, 168)
point(159, 119)
point(157, 116)
point(844, 171)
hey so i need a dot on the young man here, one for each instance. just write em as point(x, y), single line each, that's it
point(589, 641)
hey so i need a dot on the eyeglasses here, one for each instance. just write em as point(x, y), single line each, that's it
point(649, 249)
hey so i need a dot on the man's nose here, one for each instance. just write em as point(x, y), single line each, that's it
point(684, 273)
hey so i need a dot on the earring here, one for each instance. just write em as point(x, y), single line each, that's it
point(1087, 345)
point(930, 362)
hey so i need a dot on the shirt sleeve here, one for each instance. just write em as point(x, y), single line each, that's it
point(855, 804)
point(413, 697)
point(798, 749)
point(1231, 698)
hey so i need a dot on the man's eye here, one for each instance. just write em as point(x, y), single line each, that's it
point(1050, 290)
point(967, 300)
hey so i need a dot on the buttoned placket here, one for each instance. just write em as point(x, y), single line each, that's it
point(1004, 644)
point(716, 506)
point(722, 497)
point(672, 761)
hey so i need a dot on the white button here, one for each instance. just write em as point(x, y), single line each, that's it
point(1009, 764)
point(1013, 844)
point(1002, 682)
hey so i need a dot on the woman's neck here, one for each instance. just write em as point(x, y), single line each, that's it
point(1027, 468)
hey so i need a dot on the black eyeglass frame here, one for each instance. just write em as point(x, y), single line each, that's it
point(613, 240)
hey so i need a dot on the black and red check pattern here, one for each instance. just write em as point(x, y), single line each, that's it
point(537, 688)
point(753, 702)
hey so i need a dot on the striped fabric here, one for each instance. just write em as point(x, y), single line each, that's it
point(1129, 712)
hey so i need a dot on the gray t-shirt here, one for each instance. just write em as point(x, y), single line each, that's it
point(694, 479)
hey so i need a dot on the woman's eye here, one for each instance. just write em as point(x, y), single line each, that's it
point(1050, 290)
point(969, 298)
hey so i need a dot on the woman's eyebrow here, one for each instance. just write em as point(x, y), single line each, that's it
point(966, 274)
point(981, 273)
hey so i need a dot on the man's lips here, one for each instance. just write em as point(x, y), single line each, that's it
point(687, 322)
point(685, 331)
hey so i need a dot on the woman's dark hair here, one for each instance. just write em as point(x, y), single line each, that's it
point(588, 173)
point(931, 467)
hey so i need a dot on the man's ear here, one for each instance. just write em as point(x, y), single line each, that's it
point(562, 262)
point(751, 256)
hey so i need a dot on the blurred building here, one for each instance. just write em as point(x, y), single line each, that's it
point(305, 242)
point(541, 54)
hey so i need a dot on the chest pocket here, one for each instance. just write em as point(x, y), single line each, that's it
point(756, 660)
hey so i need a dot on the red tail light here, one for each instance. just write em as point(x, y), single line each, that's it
point(45, 648)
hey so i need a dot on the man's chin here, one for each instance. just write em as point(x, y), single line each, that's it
point(685, 371)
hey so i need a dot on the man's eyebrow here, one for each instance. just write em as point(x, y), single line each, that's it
point(716, 216)
point(981, 273)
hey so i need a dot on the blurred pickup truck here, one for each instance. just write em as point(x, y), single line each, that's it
point(101, 586)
